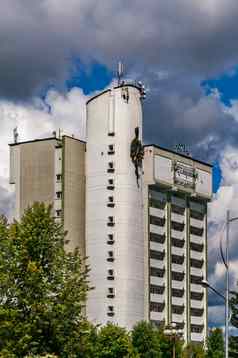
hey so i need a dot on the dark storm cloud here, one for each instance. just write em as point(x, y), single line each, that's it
point(38, 39)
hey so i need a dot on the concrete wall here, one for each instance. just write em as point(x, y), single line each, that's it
point(108, 114)
point(74, 192)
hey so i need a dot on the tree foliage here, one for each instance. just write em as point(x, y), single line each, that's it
point(215, 344)
point(42, 288)
point(145, 340)
point(194, 351)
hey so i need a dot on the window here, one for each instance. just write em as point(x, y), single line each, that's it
point(110, 185)
point(110, 257)
point(177, 276)
point(176, 292)
point(177, 309)
point(196, 231)
point(156, 290)
point(177, 209)
point(157, 255)
point(196, 279)
point(196, 263)
point(177, 226)
point(110, 274)
point(177, 259)
point(110, 221)
point(198, 296)
point(110, 311)
point(59, 194)
point(157, 272)
point(177, 242)
point(110, 292)
point(111, 203)
point(110, 239)
point(197, 312)
point(58, 177)
point(156, 306)
point(196, 215)
point(58, 212)
point(196, 247)
point(157, 238)
point(196, 328)
point(157, 221)
point(111, 149)
point(110, 168)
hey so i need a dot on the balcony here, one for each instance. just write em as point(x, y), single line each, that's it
point(157, 316)
point(177, 318)
point(177, 218)
point(178, 301)
point(196, 255)
point(157, 306)
point(177, 285)
point(177, 268)
point(157, 229)
point(156, 298)
point(156, 212)
point(197, 304)
point(198, 296)
point(196, 271)
point(177, 251)
point(197, 328)
point(157, 281)
point(197, 288)
point(156, 246)
point(197, 320)
point(196, 239)
point(157, 264)
point(196, 223)
point(177, 234)
point(197, 337)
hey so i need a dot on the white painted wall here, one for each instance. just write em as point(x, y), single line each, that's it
point(109, 112)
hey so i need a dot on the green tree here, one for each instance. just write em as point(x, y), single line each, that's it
point(215, 344)
point(114, 342)
point(233, 346)
point(194, 351)
point(42, 288)
point(145, 340)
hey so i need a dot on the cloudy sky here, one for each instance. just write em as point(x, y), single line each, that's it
point(55, 54)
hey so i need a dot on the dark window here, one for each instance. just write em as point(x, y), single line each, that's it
point(177, 209)
point(110, 274)
point(196, 247)
point(58, 212)
point(110, 311)
point(157, 272)
point(110, 256)
point(156, 306)
point(196, 296)
point(196, 231)
point(196, 263)
point(157, 221)
point(177, 292)
point(158, 290)
point(157, 238)
point(110, 221)
point(196, 328)
point(110, 168)
point(197, 312)
point(111, 149)
point(110, 184)
point(177, 242)
point(157, 255)
point(110, 239)
point(177, 276)
point(59, 194)
point(58, 177)
point(177, 259)
point(111, 292)
point(157, 204)
point(196, 279)
point(177, 309)
point(196, 215)
point(177, 226)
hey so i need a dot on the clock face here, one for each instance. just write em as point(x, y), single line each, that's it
point(184, 175)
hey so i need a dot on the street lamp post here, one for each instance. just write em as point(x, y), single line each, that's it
point(226, 297)
point(173, 332)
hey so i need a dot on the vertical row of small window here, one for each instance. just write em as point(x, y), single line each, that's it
point(110, 223)
point(58, 194)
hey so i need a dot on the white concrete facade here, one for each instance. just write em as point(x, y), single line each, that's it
point(114, 233)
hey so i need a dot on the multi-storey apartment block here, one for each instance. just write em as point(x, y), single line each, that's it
point(176, 191)
point(138, 213)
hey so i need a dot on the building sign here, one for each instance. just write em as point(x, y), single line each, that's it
point(184, 175)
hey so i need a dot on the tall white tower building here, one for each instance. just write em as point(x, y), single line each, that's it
point(114, 210)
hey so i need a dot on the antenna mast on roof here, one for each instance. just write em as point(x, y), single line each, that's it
point(120, 72)
point(15, 135)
